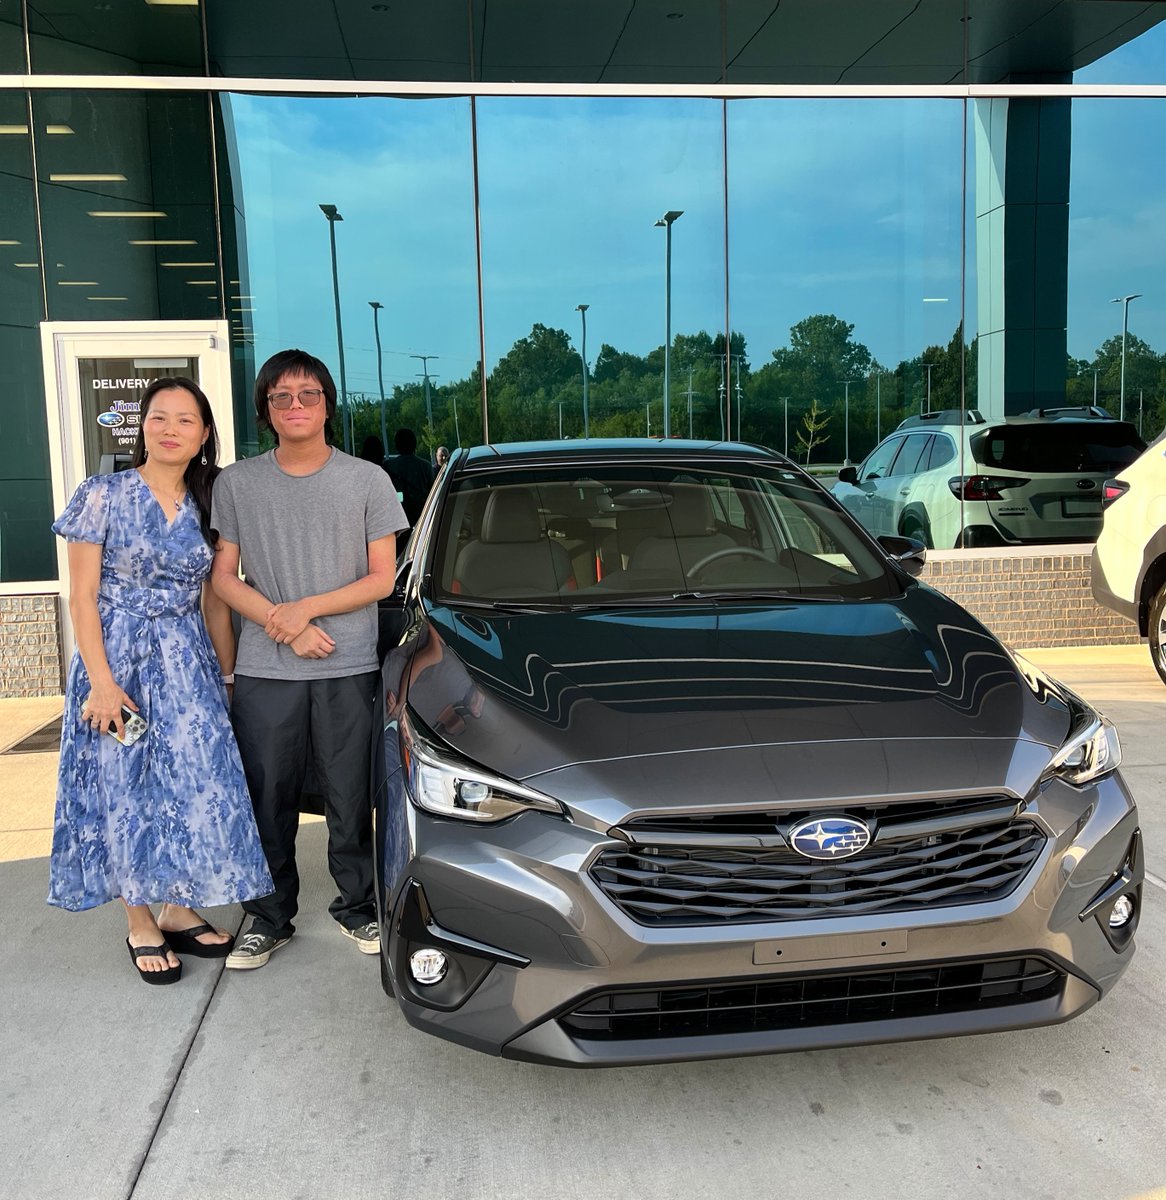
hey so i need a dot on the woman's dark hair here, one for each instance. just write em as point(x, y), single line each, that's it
point(293, 362)
point(199, 478)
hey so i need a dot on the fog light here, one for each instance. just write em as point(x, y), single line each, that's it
point(428, 966)
point(1122, 912)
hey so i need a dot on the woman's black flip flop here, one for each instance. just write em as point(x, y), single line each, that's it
point(185, 941)
point(170, 975)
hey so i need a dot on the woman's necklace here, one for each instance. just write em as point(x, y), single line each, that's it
point(166, 498)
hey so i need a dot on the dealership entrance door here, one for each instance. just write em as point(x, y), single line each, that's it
point(95, 374)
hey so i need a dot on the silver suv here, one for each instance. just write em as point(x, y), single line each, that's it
point(953, 478)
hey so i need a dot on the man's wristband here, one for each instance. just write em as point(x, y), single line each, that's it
point(228, 679)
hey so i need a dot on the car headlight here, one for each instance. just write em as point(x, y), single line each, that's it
point(1092, 749)
point(1090, 753)
point(451, 787)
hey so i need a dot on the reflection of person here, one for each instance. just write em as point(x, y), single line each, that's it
point(412, 476)
point(372, 449)
point(166, 818)
point(440, 688)
point(441, 457)
point(315, 531)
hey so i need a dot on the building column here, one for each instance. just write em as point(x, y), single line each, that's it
point(1022, 252)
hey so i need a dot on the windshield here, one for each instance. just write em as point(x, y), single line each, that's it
point(619, 533)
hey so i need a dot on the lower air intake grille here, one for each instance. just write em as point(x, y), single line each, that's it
point(806, 1001)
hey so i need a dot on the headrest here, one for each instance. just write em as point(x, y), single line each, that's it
point(511, 516)
point(691, 511)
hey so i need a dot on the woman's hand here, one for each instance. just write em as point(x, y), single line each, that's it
point(102, 708)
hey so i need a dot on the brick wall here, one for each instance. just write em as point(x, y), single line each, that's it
point(1038, 599)
point(30, 646)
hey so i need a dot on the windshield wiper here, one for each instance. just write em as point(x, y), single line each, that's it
point(753, 597)
point(504, 606)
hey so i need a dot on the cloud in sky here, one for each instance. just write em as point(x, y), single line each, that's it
point(852, 207)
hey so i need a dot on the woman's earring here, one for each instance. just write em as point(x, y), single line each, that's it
point(204, 458)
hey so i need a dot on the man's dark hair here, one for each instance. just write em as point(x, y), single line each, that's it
point(406, 441)
point(293, 362)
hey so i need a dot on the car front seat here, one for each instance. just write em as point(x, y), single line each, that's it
point(512, 557)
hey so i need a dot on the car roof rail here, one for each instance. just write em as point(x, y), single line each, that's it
point(946, 416)
point(1088, 412)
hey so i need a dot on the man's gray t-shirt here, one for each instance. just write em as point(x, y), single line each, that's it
point(300, 535)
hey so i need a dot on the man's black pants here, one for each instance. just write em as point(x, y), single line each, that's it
point(276, 721)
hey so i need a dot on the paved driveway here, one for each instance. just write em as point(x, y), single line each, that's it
point(299, 1080)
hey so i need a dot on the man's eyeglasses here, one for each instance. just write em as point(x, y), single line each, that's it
point(309, 397)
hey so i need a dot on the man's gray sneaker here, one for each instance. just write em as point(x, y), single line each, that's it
point(367, 937)
point(253, 950)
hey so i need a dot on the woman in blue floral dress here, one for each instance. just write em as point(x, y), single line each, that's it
point(166, 818)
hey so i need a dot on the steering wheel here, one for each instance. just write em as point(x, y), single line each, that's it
point(728, 552)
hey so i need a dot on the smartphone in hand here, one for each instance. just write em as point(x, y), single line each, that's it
point(133, 723)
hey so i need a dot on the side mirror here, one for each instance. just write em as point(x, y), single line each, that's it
point(848, 474)
point(909, 553)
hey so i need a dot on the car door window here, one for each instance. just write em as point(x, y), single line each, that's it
point(878, 466)
point(942, 452)
point(911, 454)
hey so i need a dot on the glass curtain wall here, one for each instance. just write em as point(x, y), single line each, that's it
point(807, 273)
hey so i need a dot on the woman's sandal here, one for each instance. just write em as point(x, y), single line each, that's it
point(185, 941)
point(170, 975)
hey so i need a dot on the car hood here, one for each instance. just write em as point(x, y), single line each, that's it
point(697, 702)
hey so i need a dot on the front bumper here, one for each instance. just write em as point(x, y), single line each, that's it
point(539, 954)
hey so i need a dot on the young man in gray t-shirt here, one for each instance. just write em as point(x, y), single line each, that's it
point(315, 533)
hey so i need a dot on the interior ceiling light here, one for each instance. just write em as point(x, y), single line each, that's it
point(163, 242)
point(107, 297)
point(172, 3)
point(22, 130)
point(107, 178)
point(77, 283)
point(203, 282)
point(17, 244)
point(125, 213)
point(33, 265)
point(186, 264)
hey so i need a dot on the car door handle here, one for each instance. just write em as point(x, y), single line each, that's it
point(904, 491)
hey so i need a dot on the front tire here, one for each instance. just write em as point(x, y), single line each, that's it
point(1157, 632)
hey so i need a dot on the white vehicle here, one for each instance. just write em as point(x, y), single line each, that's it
point(954, 478)
point(1129, 560)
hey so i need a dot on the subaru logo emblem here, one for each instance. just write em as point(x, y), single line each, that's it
point(111, 420)
point(829, 837)
point(1086, 485)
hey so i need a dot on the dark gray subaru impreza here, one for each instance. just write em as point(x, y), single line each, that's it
point(681, 763)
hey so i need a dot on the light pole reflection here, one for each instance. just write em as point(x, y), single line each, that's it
point(329, 211)
point(1124, 301)
point(581, 309)
point(667, 221)
point(376, 307)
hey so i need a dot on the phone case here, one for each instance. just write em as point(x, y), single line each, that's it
point(135, 726)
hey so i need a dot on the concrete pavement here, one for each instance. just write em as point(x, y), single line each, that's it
point(300, 1080)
